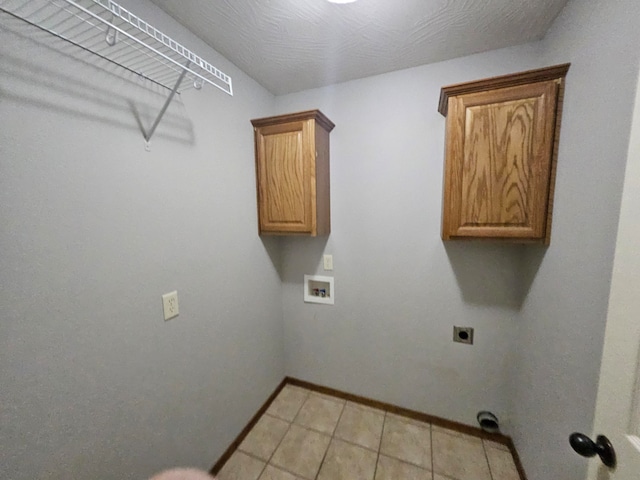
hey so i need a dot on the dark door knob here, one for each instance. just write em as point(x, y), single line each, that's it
point(586, 447)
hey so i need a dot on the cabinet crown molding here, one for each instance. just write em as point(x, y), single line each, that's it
point(556, 72)
point(320, 118)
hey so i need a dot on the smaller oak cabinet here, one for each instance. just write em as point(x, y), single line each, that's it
point(292, 174)
point(500, 159)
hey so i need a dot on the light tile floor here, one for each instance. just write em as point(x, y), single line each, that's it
point(306, 435)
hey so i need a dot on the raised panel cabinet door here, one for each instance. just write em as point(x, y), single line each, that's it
point(292, 172)
point(499, 150)
point(284, 178)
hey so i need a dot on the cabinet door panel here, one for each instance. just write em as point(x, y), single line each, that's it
point(503, 140)
point(284, 178)
point(497, 164)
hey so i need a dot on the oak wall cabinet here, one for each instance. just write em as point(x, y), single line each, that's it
point(501, 152)
point(292, 174)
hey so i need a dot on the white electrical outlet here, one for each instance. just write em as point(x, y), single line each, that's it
point(328, 262)
point(170, 305)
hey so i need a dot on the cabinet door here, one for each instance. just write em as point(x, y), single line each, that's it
point(499, 160)
point(284, 177)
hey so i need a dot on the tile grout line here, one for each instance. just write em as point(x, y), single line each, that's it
point(333, 435)
point(333, 432)
point(306, 398)
point(285, 434)
point(351, 443)
point(421, 467)
point(331, 438)
point(308, 394)
point(486, 456)
point(375, 470)
point(274, 450)
point(433, 473)
point(253, 455)
point(403, 460)
point(407, 462)
point(446, 477)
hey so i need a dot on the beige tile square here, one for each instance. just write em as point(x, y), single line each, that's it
point(288, 402)
point(499, 446)
point(406, 441)
point(328, 397)
point(404, 419)
point(456, 433)
point(273, 473)
point(392, 469)
point(365, 407)
point(459, 457)
point(360, 426)
point(345, 461)
point(241, 467)
point(301, 451)
point(319, 413)
point(502, 465)
point(264, 437)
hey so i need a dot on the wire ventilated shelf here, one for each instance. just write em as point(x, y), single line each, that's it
point(112, 32)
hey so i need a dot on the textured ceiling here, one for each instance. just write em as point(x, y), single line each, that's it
point(293, 45)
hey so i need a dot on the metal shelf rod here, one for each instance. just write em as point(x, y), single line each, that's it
point(112, 33)
point(180, 49)
point(82, 47)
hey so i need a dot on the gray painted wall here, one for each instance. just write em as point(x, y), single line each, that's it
point(399, 289)
point(94, 230)
point(561, 326)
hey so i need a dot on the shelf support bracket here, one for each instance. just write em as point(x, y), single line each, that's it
point(111, 36)
point(149, 134)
